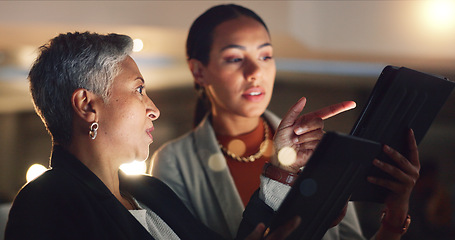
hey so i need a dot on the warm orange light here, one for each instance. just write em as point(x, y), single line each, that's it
point(134, 167)
point(34, 171)
point(138, 45)
point(287, 156)
point(440, 14)
point(237, 147)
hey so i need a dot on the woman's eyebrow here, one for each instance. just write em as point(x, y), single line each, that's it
point(242, 47)
point(264, 45)
point(233, 46)
point(140, 78)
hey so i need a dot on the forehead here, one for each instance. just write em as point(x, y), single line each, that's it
point(129, 72)
point(241, 30)
point(129, 68)
point(129, 65)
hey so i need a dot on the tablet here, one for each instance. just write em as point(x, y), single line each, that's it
point(402, 98)
point(324, 186)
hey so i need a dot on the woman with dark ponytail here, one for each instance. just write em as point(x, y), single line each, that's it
point(229, 108)
point(218, 166)
point(199, 41)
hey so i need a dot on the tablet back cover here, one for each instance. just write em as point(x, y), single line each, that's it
point(401, 99)
point(323, 187)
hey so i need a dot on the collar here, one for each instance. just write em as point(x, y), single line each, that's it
point(216, 171)
point(63, 160)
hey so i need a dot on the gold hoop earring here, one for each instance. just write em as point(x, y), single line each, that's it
point(200, 90)
point(93, 130)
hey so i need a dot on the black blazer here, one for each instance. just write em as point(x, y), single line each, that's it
point(70, 202)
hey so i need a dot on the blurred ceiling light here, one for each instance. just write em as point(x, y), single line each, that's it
point(34, 171)
point(440, 13)
point(134, 168)
point(26, 56)
point(137, 45)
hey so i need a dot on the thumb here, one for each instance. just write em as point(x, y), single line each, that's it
point(293, 113)
point(257, 232)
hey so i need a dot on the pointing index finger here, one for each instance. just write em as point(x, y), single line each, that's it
point(332, 110)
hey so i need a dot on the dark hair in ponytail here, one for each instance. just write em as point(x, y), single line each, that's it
point(199, 43)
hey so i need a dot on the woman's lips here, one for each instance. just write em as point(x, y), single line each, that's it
point(254, 94)
point(149, 132)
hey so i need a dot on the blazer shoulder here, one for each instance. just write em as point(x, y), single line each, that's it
point(37, 204)
point(45, 186)
point(182, 142)
point(171, 153)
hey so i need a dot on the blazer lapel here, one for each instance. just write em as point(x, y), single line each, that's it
point(165, 203)
point(214, 164)
point(106, 205)
point(124, 220)
point(272, 119)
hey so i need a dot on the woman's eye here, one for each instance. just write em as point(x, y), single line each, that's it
point(266, 58)
point(140, 90)
point(234, 60)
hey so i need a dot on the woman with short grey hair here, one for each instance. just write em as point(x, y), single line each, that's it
point(91, 96)
point(91, 63)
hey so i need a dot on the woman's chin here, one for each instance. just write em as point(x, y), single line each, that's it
point(254, 113)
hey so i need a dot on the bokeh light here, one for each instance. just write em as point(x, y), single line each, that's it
point(138, 45)
point(270, 149)
point(134, 167)
point(440, 14)
point(237, 146)
point(287, 156)
point(217, 162)
point(35, 171)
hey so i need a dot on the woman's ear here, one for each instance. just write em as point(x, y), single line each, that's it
point(83, 105)
point(197, 70)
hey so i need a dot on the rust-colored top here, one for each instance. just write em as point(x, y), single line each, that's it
point(246, 174)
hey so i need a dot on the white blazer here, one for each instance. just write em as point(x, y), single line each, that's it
point(195, 168)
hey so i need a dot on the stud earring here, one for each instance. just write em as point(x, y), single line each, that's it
point(93, 130)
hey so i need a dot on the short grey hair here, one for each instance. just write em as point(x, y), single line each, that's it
point(68, 62)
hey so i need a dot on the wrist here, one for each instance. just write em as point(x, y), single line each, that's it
point(278, 174)
point(398, 226)
point(276, 163)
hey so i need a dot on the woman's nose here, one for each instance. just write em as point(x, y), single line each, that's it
point(252, 71)
point(152, 111)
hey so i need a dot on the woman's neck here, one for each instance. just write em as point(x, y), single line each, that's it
point(234, 125)
point(101, 165)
